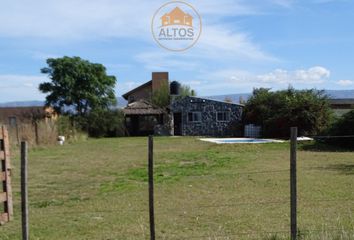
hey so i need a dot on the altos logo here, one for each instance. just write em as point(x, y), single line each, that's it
point(176, 26)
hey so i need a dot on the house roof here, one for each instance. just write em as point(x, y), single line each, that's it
point(213, 100)
point(126, 95)
point(176, 11)
point(341, 101)
point(142, 107)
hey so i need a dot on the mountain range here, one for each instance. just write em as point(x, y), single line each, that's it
point(233, 97)
point(333, 94)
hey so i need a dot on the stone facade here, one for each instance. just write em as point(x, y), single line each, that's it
point(210, 117)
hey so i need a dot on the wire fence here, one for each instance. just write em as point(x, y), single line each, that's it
point(160, 208)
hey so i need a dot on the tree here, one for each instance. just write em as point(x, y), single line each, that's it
point(35, 116)
point(277, 111)
point(77, 84)
point(344, 125)
point(106, 123)
point(341, 132)
point(186, 90)
point(161, 96)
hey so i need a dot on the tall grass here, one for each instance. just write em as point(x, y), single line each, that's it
point(45, 133)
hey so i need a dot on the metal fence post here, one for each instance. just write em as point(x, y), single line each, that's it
point(293, 189)
point(24, 191)
point(151, 187)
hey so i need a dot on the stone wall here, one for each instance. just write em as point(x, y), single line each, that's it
point(208, 126)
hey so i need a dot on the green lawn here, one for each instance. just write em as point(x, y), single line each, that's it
point(97, 189)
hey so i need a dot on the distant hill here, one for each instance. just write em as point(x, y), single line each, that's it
point(340, 93)
point(121, 103)
point(23, 104)
point(234, 97)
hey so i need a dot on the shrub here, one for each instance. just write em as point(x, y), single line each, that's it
point(161, 96)
point(344, 126)
point(68, 127)
point(106, 123)
point(277, 111)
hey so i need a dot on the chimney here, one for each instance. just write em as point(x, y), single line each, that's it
point(159, 79)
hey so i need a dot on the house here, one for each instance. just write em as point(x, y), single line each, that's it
point(341, 105)
point(14, 116)
point(145, 90)
point(184, 116)
point(141, 116)
point(204, 117)
point(177, 17)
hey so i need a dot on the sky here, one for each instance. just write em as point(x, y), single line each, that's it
point(244, 44)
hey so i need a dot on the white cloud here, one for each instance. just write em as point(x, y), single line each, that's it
point(345, 82)
point(218, 40)
point(68, 20)
point(164, 60)
point(217, 45)
point(87, 19)
point(14, 81)
point(20, 87)
point(233, 80)
point(72, 19)
point(312, 75)
point(224, 8)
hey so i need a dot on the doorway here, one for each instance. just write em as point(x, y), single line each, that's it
point(177, 124)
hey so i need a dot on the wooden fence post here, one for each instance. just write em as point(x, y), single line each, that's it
point(5, 177)
point(293, 188)
point(151, 187)
point(24, 191)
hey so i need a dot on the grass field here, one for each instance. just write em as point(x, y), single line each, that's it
point(97, 189)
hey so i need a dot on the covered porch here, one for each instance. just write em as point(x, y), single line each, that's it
point(141, 118)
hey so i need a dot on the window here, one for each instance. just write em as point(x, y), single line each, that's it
point(195, 117)
point(223, 116)
point(167, 20)
point(12, 121)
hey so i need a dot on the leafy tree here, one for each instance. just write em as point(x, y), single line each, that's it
point(106, 123)
point(78, 84)
point(161, 96)
point(186, 90)
point(344, 126)
point(277, 111)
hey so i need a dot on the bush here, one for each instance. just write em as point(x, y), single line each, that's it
point(277, 111)
point(68, 127)
point(344, 126)
point(161, 96)
point(106, 123)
